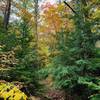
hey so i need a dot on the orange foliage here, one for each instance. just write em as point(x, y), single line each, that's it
point(54, 18)
point(24, 13)
point(51, 17)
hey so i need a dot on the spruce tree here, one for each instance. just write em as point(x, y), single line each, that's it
point(77, 68)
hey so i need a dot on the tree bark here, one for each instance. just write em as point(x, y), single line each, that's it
point(7, 14)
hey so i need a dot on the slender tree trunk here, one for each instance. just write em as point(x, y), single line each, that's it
point(36, 13)
point(7, 14)
point(36, 19)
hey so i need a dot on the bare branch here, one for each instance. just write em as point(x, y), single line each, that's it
point(70, 7)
